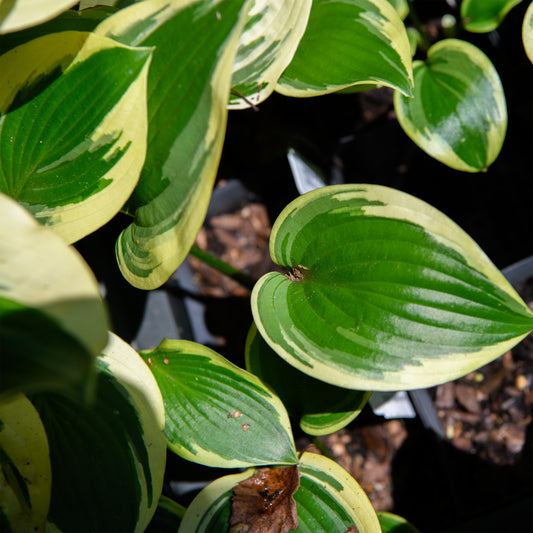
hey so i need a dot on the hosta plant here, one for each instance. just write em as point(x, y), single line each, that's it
point(123, 107)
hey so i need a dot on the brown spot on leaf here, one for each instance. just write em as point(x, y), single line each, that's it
point(351, 529)
point(245, 427)
point(165, 360)
point(263, 503)
point(234, 414)
point(296, 274)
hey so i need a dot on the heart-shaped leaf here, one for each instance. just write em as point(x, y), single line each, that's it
point(527, 32)
point(322, 408)
point(188, 91)
point(271, 35)
point(458, 113)
point(482, 16)
point(385, 293)
point(349, 43)
point(216, 413)
point(72, 153)
point(328, 499)
point(108, 457)
point(18, 14)
point(53, 322)
point(25, 471)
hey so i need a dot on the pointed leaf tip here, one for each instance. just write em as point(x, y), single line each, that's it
point(395, 295)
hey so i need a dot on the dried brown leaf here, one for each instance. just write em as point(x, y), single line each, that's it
point(263, 503)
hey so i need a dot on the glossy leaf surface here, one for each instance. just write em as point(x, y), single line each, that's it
point(386, 292)
point(320, 407)
point(328, 499)
point(527, 32)
point(71, 148)
point(216, 413)
point(458, 113)
point(16, 15)
point(108, 457)
point(482, 16)
point(52, 319)
point(267, 44)
point(348, 43)
point(25, 471)
point(188, 90)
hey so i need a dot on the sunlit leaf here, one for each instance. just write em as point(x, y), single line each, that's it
point(385, 293)
point(71, 148)
point(25, 472)
point(320, 407)
point(349, 43)
point(19, 14)
point(482, 16)
point(108, 457)
point(188, 91)
point(216, 413)
point(271, 35)
point(328, 499)
point(52, 320)
point(458, 113)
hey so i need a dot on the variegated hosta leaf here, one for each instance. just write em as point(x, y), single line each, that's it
point(386, 292)
point(52, 320)
point(266, 46)
point(188, 89)
point(108, 457)
point(482, 16)
point(216, 413)
point(321, 408)
point(328, 499)
point(349, 42)
point(19, 14)
point(72, 153)
point(527, 32)
point(458, 113)
point(25, 471)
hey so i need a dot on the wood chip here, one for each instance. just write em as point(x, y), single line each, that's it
point(466, 396)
